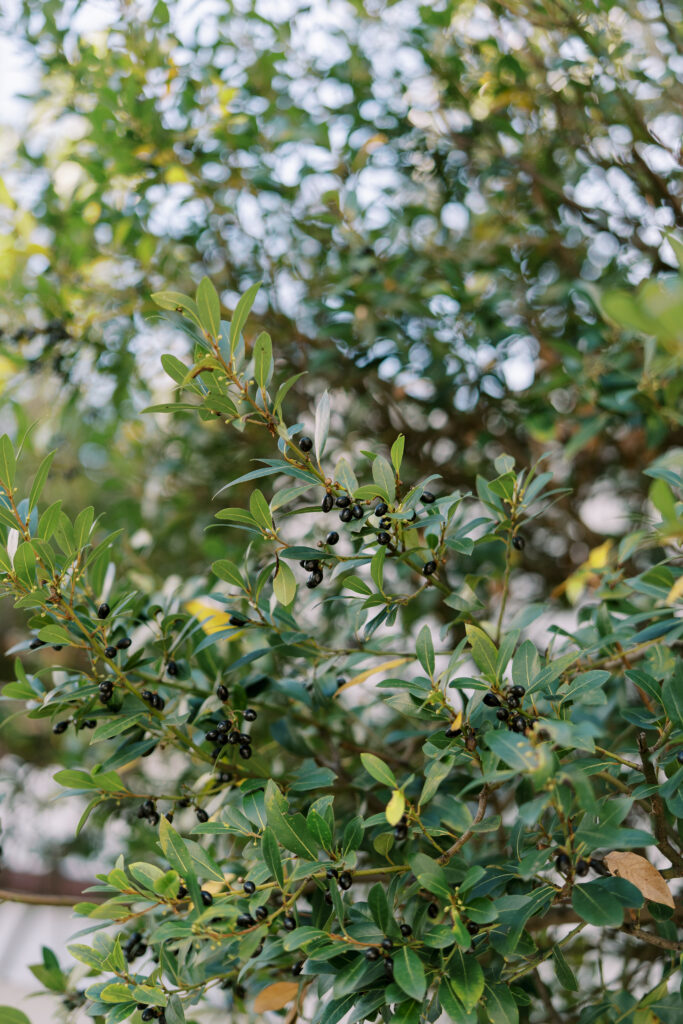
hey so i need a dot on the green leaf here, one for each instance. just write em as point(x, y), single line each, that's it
point(8, 463)
point(409, 973)
point(425, 651)
point(283, 389)
point(25, 563)
point(345, 476)
point(322, 424)
point(397, 452)
point(284, 584)
point(39, 480)
point(209, 307)
point(8, 1015)
point(239, 317)
point(175, 369)
point(564, 973)
point(526, 665)
point(597, 906)
point(228, 571)
point(271, 855)
point(83, 526)
point(383, 475)
point(116, 993)
point(379, 908)
point(431, 875)
point(466, 977)
point(379, 770)
point(290, 830)
point(672, 698)
point(501, 1007)
point(179, 303)
point(175, 850)
point(258, 506)
point(263, 359)
point(53, 634)
point(483, 651)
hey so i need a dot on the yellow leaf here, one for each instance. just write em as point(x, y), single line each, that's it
point(642, 874)
point(599, 556)
point(212, 618)
point(274, 997)
point(676, 591)
point(395, 807)
point(384, 667)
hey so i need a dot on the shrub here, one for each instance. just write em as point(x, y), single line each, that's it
point(381, 799)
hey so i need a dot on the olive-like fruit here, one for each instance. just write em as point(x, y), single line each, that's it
point(305, 443)
point(207, 898)
point(582, 867)
point(357, 511)
point(517, 691)
point(518, 542)
point(400, 832)
point(451, 733)
point(110, 652)
point(346, 515)
point(245, 921)
point(343, 501)
point(289, 922)
point(124, 643)
point(332, 538)
point(103, 611)
point(235, 620)
point(512, 701)
point(429, 568)
point(298, 967)
point(372, 953)
point(261, 913)
point(250, 715)
point(146, 695)
point(383, 538)
point(172, 668)
point(245, 752)
point(518, 724)
point(385, 523)
point(491, 700)
point(502, 714)
point(381, 508)
point(59, 727)
point(406, 930)
point(345, 880)
point(249, 888)
point(472, 927)
point(427, 498)
point(327, 503)
point(201, 815)
point(222, 692)
point(433, 910)
point(563, 863)
point(387, 943)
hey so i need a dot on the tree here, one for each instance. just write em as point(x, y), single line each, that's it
point(426, 185)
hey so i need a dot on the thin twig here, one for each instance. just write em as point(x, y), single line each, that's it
point(459, 843)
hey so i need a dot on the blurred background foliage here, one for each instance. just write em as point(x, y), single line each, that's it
point(461, 214)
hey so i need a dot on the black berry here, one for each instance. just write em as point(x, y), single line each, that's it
point(147, 695)
point(372, 953)
point(110, 652)
point(289, 922)
point(332, 537)
point(518, 724)
point(235, 620)
point(148, 1014)
point(518, 542)
point(433, 910)
point(517, 691)
point(172, 668)
point(250, 715)
point(182, 892)
point(298, 967)
point(385, 523)
point(314, 580)
point(387, 943)
point(563, 863)
point(357, 511)
point(234, 737)
point(472, 927)
point(599, 866)
point(513, 702)
point(36, 643)
point(400, 832)
point(261, 913)
point(345, 880)
point(343, 501)
point(305, 443)
point(328, 502)
point(60, 726)
point(389, 967)
point(427, 498)
point(346, 515)
point(249, 888)
point(491, 700)
point(245, 921)
point(451, 733)
point(502, 714)
point(158, 702)
point(103, 611)
point(201, 815)
point(383, 537)
point(124, 643)
point(429, 568)
point(381, 508)
point(332, 873)
point(223, 726)
point(207, 898)
point(222, 692)
point(582, 867)
point(406, 930)
point(245, 752)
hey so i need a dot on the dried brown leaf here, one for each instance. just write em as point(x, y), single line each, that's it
point(274, 997)
point(642, 874)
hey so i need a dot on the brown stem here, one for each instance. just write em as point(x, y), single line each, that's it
point(661, 826)
point(458, 845)
point(651, 938)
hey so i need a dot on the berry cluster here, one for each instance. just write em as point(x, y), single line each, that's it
point(153, 698)
point(149, 811)
point(134, 947)
point(509, 708)
point(564, 865)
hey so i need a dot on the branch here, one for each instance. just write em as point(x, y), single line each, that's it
point(661, 825)
point(458, 845)
point(651, 938)
point(47, 900)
